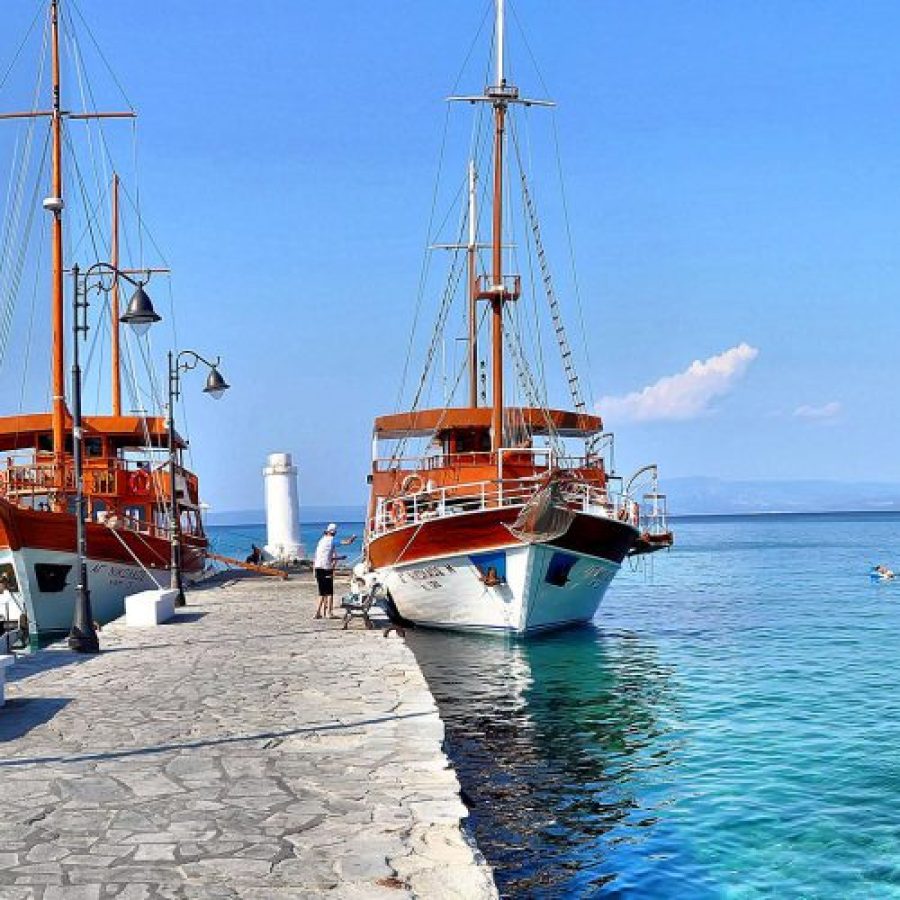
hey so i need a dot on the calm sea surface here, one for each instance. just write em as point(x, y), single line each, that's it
point(236, 540)
point(730, 727)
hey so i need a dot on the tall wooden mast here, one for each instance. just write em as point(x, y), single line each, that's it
point(494, 287)
point(116, 373)
point(57, 292)
point(472, 257)
point(497, 297)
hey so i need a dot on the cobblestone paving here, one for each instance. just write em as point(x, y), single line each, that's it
point(243, 750)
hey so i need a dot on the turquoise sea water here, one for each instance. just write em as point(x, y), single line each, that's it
point(730, 727)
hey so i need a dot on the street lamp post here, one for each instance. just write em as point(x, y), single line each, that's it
point(140, 314)
point(184, 361)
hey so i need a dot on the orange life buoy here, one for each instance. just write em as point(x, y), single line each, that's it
point(412, 484)
point(139, 482)
point(397, 512)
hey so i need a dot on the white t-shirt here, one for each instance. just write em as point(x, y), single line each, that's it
point(326, 555)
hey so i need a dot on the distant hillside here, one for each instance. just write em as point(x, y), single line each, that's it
point(714, 496)
point(687, 497)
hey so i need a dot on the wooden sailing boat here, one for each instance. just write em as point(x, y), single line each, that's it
point(499, 527)
point(127, 491)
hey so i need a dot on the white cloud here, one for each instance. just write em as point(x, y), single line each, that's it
point(686, 395)
point(823, 413)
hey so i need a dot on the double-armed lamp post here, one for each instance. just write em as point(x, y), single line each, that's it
point(140, 315)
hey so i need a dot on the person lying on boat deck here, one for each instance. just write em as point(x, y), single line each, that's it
point(324, 563)
point(883, 572)
point(491, 578)
point(255, 556)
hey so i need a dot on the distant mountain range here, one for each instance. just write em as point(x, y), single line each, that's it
point(687, 497)
point(714, 496)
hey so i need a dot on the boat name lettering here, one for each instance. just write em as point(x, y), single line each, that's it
point(427, 573)
point(117, 571)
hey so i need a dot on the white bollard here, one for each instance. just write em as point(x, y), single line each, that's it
point(4, 662)
point(282, 508)
point(148, 608)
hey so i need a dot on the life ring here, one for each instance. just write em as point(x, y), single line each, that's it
point(139, 482)
point(397, 512)
point(412, 484)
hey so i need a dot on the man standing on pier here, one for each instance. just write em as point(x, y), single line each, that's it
point(326, 559)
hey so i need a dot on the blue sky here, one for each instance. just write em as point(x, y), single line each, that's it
point(732, 174)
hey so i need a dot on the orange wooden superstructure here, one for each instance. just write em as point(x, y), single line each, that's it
point(463, 455)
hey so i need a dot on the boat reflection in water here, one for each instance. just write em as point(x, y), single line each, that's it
point(566, 748)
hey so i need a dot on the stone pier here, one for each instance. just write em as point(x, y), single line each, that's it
point(242, 750)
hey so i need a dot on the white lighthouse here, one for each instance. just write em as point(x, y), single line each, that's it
point(282, 509)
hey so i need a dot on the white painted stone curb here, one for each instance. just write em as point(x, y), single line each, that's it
point(149, 608)
point(5, 661)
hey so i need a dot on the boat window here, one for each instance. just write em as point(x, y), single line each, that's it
point(51, 577)
point(138, 513)
point(559, 568)
point(45, 443)
point(473, 441)
point(93, 446)
point(98, 507)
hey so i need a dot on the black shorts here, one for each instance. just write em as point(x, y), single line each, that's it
point(325, 581)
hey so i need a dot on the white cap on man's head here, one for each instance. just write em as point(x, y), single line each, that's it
point(332, 528)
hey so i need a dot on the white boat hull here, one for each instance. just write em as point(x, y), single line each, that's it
point(50, 607)
point(449, 592)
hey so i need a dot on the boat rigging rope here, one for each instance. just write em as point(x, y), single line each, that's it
point(109, 68)
point(559, 168)
point(455, 275)
point(41, 11)
point(27, 345)
point(134, 555)
point(15, 198)
point(86, 93)
point(15, 269)
point(426, 258)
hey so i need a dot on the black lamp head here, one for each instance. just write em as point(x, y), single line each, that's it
point(216, 385)
point(140, 314)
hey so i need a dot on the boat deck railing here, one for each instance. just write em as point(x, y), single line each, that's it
point(31, 485)
point(414, 508)
point(20, 481)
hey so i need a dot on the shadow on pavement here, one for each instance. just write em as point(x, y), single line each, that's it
point(20, 714)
